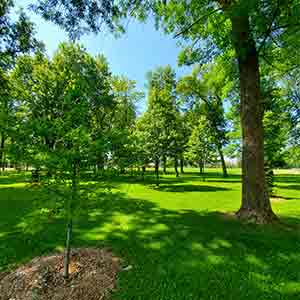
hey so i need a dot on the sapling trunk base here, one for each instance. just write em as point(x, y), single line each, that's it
point(68, 250)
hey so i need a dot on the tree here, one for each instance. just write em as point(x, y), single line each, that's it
point(291, 94)
point(277, 126)
point(148, 134)
point(103, 105)
point(181, 136)
point(61, 96)
point(292, 155)
point(233, 149)
point(4, 114)
point(163, 116)
point(209, 90)
point(123, 120)
point(16, 38)
point(140, 152)
point(250, 28)
point(17, 35)
point(200, 148)
point(156, 130)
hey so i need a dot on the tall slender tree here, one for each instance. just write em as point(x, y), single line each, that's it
point(205, 87)
point(201, 149)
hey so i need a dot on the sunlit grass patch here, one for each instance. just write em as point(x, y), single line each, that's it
point(178, 243)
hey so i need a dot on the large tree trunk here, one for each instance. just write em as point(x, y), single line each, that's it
point(256, 205)
point(224, 168)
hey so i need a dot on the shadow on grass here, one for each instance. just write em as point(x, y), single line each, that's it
point(213, 174)
point(13, 178)
point(288, 178)
point(175, 254)
point(189, 188)
point(150, 178)
point(290, 187)
point(19, 240)
point(278, 197)
point(192, 255)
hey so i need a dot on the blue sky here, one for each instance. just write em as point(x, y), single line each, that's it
point(138, 51)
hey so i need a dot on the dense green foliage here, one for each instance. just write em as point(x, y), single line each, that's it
point(71, 108)
point(75, 126)
point(251, 34)
point(16, 38)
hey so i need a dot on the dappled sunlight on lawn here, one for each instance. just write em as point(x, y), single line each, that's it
point(177, 242)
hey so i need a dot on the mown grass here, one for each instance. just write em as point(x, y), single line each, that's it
point(173, 235)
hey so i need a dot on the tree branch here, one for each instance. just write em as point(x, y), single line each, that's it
point(285, 26)
point(185, 30)
point(269, 30)
point(284, 71)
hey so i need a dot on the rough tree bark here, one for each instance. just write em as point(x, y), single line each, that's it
point(256, 205)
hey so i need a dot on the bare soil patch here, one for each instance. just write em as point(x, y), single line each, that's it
point(93, 275)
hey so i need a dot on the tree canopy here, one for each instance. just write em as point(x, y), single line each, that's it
point(237, 48)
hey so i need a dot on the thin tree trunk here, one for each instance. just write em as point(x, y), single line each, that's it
point(201, 167)
point(157, 171)
point(68, 249)
point(70, 222)
point(2, 144)
point(143, 172)
point(165, 164)
point(181, 165)
point(100, 163)
point(224, 168)
point(35, 175)
point(176, 166)
point(256, 205)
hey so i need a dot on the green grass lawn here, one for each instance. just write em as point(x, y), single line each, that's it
point(179, 245)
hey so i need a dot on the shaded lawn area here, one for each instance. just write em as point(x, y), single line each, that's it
point(179, 245)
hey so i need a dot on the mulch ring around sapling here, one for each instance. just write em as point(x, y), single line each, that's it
point(93, 275)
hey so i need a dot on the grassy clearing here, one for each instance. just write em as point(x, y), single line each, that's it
point(179, 246)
